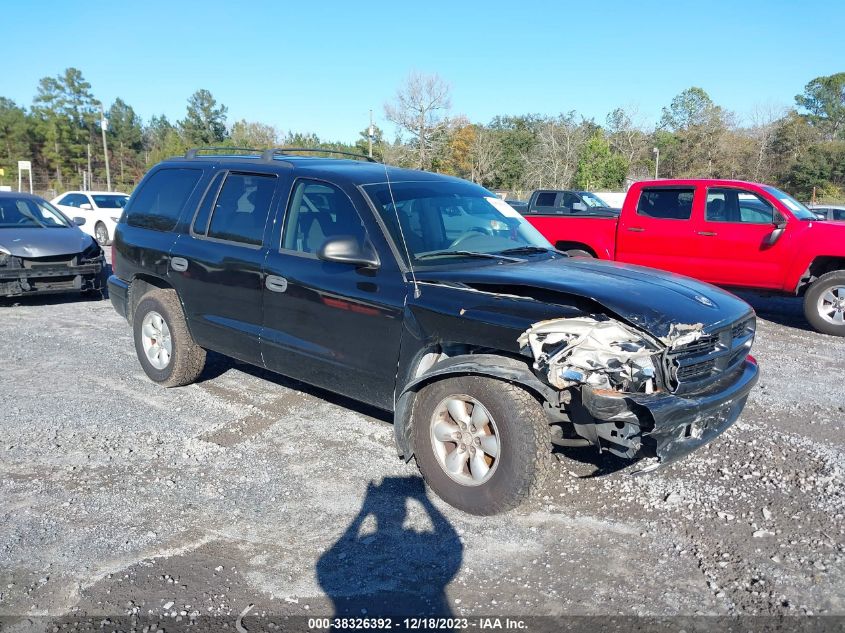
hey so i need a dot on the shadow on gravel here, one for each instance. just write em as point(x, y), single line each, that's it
point(579, 459)
point(392, 570)
point(216, 365)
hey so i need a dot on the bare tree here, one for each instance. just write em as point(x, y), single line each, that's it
point(553, 159)
point(421, 108)
point(627, 134)
point(485, 154)
point(763, 119)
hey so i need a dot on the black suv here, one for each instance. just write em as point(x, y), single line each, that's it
point(427, 296)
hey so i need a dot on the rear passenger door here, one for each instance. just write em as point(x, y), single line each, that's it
point(661, 232)
point(332, 324)
point(217, 266)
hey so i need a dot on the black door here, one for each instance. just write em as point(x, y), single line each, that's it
point(217, 267)
point(330, 324)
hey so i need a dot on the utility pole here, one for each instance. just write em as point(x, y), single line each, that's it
point(370, 134)
point(656, 152)
point(104, 124)
point(88, 174)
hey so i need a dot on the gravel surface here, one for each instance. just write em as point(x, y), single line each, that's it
point(118, 497)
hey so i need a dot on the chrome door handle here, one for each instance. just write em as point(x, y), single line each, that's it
point(707, 233)
point(636, 229)
point(179, 264)
point(276, 283)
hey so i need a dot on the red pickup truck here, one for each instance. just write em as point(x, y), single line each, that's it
point(728, 232)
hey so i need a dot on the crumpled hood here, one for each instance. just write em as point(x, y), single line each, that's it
point(649, 299)
point(38, 242)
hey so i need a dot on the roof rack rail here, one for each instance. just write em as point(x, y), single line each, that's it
point(269, 154)
point(197, 151)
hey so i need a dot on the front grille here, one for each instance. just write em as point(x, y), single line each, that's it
point(697, 364)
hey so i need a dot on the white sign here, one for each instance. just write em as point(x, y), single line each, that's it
point(24, 164)
point(104, 123)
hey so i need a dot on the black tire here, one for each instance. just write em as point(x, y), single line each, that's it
point(525, 453)
point(814, 294)
point(100, 225)
point(579, 252)
point(187, 359)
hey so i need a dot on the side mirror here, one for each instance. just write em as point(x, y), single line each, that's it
point(347, 250)
point(579, 206)
point(85, 206)
point(774, 236)
point(79, 221)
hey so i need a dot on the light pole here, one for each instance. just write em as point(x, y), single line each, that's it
point(370, 134)
point(656, 151)
point(104, 125)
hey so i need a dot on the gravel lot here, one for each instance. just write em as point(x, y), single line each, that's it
point(119, 497)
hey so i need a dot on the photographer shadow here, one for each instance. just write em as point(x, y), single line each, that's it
point(383, 568)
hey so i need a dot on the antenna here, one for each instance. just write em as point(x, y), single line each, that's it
point(417, 292)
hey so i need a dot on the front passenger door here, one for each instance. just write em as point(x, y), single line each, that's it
point(332, 324)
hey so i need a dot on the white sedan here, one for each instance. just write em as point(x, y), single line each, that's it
point(101, 210)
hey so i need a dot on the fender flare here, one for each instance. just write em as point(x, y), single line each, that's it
point(491, 365)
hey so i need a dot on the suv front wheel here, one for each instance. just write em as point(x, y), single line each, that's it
point(164, 345)
point(483, 445)
point(824, 303)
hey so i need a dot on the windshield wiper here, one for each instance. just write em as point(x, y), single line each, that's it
point(525, 249)
point(447, 253)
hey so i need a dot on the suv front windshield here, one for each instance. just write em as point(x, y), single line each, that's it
point(443, 220)
point(796, 208)
point(20, 213)
point(593, 201)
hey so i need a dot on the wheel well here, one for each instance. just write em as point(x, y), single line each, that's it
point(141, 285)
point(566, 246)
point(818, 267)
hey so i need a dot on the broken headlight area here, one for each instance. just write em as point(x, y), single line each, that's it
point(604, 354)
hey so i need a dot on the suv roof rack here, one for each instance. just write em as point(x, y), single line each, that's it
point(197, 151)
point(269, 154)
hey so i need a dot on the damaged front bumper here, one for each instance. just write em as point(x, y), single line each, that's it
point(663, 425)
point(20, 279)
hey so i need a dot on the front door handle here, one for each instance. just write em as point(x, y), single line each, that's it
point(636, 229)
point(276, 283)
point(707, 233)
point(179, 264)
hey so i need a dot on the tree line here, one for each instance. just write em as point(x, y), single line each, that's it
point(801, 148)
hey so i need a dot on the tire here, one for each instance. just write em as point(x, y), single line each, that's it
point(578, 252)
point(101, 234)
point(524, 449)
point(824, 303)
point(184, 361)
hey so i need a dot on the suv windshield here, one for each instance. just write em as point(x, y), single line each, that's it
point(19, 213)
point(442, 220)
point(798, 210)
point(593, 201)
point(110, 201)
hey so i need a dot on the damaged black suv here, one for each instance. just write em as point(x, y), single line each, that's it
point(429, 297)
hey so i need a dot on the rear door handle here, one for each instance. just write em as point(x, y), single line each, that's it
point(276, 283)
point(636, 229)
point(179, 264)
point(707, 233)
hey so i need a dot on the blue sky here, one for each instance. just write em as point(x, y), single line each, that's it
point(320, 66)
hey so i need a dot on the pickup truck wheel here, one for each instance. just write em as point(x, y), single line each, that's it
point(164, 345)
point(577, 252)
point(483, 445)
point(824, 303)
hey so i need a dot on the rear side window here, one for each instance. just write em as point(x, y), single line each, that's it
point(546, 199)
point(242, 207)
point(666, 204)
point(839, 214)
point(160, 200)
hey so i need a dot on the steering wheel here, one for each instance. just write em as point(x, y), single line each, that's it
point(473, 232)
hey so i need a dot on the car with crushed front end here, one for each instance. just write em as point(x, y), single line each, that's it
point(43, 251)
point(429, 297)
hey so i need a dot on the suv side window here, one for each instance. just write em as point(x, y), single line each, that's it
point(242, 206)
point(666, 203)
point(545, 199)
point(160, 200)
point(318, 211)
point(737, 206)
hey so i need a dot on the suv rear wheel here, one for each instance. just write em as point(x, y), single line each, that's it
point(824, 303)
point(164, 345)
point(481, 444)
